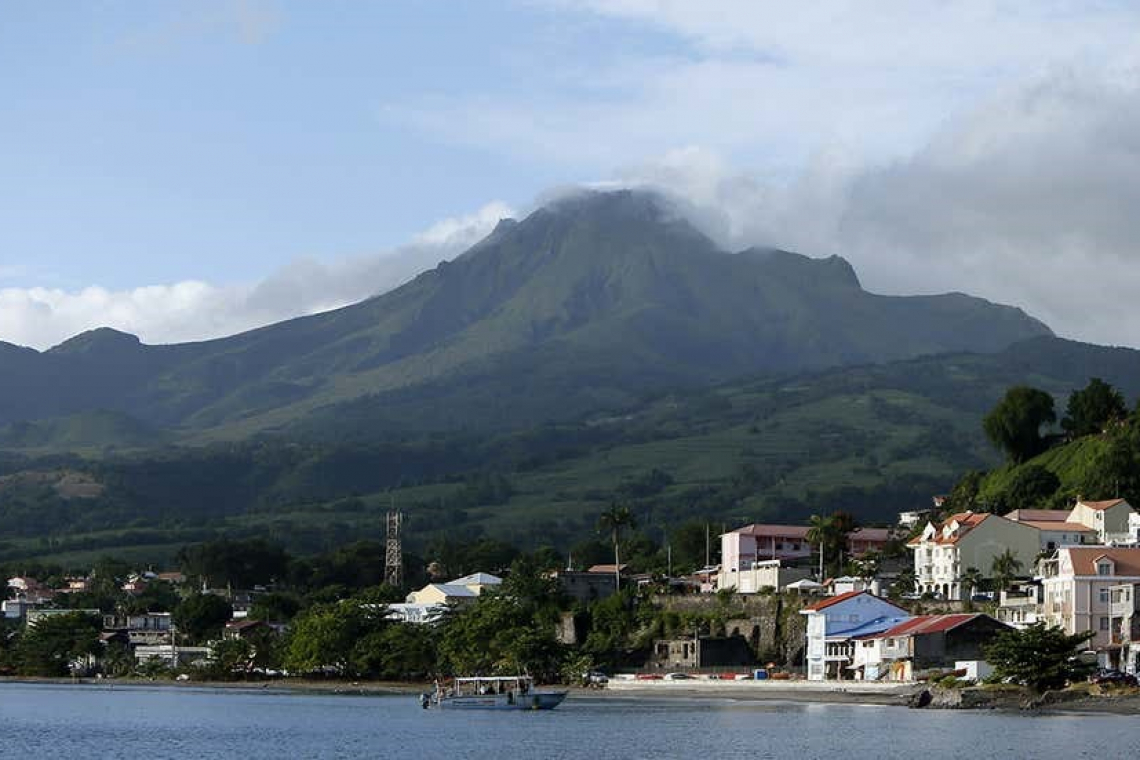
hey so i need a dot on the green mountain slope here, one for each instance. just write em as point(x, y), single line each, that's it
point(873, 440)
point(584, 305)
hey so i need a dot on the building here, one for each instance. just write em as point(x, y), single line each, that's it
point(863, 540)
point(1077, 588)
point(702, 652)
point(442, 593)
point(944, 552)
point(584, 586)
point(1110, 519)
point(1020, 605)
point(924, 642)
point(1054, 527)
point(142, 628)
point(34, 616)
point(1124, 612)
point(765, 574)
point(832, 624)
point(477, 582)
point(913, 517)
point(752, 543)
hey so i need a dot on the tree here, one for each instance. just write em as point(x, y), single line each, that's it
point(1004, 569)
point(971, 581)
point(1091, 409)
point(615, 520)
point(820, 530)
point(52, 644)
point(1014, 425)
point(201, 616)
point(1030, 486)
point(1038, 656)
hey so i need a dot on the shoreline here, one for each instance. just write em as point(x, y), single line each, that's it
point(695, 692)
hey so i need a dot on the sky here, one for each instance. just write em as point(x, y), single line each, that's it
point(186, 170)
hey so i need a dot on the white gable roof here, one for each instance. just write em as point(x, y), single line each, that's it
point(476, 579)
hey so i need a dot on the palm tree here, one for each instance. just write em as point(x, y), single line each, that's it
point(1004, 569)
point(615, 519)
point(971, 580)
point(842, 524)
point(820, 532)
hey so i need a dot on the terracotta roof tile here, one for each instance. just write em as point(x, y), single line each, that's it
point(1099, 505)
point(1084, 558)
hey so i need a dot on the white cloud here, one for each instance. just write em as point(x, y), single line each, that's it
point(194, 310)
point(769, 83)
point(1028, 199)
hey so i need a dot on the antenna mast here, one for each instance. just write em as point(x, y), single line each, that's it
point(393, 551)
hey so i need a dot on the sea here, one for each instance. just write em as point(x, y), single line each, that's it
point(120, 721)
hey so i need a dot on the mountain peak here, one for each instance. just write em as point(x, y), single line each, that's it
point(100, 340)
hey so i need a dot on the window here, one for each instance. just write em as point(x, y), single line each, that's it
point(1104, 596)
point(1104, 624)
point(1104, 567)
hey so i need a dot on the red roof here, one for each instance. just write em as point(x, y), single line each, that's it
point(870, 534)
point(825, 603)
point(1125, 559)
point(967, 521)
point(1099, 505)
point(923, 624)
point(1038, 515)
point(1053, 525)
point(773, 531)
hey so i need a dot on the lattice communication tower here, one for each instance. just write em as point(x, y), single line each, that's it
point(393, 552)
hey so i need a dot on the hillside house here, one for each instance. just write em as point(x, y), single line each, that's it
point(943, 553)
point(770, 574)
point(1110, 519)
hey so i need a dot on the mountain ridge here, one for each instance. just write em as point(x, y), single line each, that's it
point(603, 294)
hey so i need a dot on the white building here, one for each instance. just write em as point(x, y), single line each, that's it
point(763, 574)
point(833, 622)
point(1110, 519)
point(944, 552)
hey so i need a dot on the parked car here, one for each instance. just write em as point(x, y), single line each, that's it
point(677, 676)
point(1113, 678)
point(595, 678)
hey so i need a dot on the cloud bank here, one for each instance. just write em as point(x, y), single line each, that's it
point(1029, 199)
point(195, 310)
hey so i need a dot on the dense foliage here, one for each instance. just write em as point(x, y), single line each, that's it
point(1038, 656)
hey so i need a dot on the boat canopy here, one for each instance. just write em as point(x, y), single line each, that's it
point(473, 679)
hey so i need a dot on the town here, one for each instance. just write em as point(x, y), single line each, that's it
point(921, 601)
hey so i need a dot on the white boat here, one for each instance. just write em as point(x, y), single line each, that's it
point(493, 693)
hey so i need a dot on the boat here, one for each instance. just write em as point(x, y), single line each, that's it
point(492, 693)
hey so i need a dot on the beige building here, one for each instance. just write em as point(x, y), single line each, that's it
point(1077, 587)
point(1110, 519)
point(1055, 528)
point(944, 552)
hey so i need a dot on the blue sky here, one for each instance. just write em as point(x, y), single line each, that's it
point(185, 170)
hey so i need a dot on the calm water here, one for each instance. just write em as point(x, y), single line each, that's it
point(137, 722)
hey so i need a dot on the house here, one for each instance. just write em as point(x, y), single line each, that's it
point(610, 569)
point(770, 574)
point(75, 585)
point(753, 543)
point(441, 593)
point(1054, 527)
point(244, 629)
point(944, 552)
point(924, 642)
point(913, 517)
point(1020, 605)
point(1124, 612)
point(1110, 519)
point(702, 652)
point(477, 582)
point(863, 540)
point(1077, 586)
point(141, 628)
point(833, 622)
point(585, 587)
